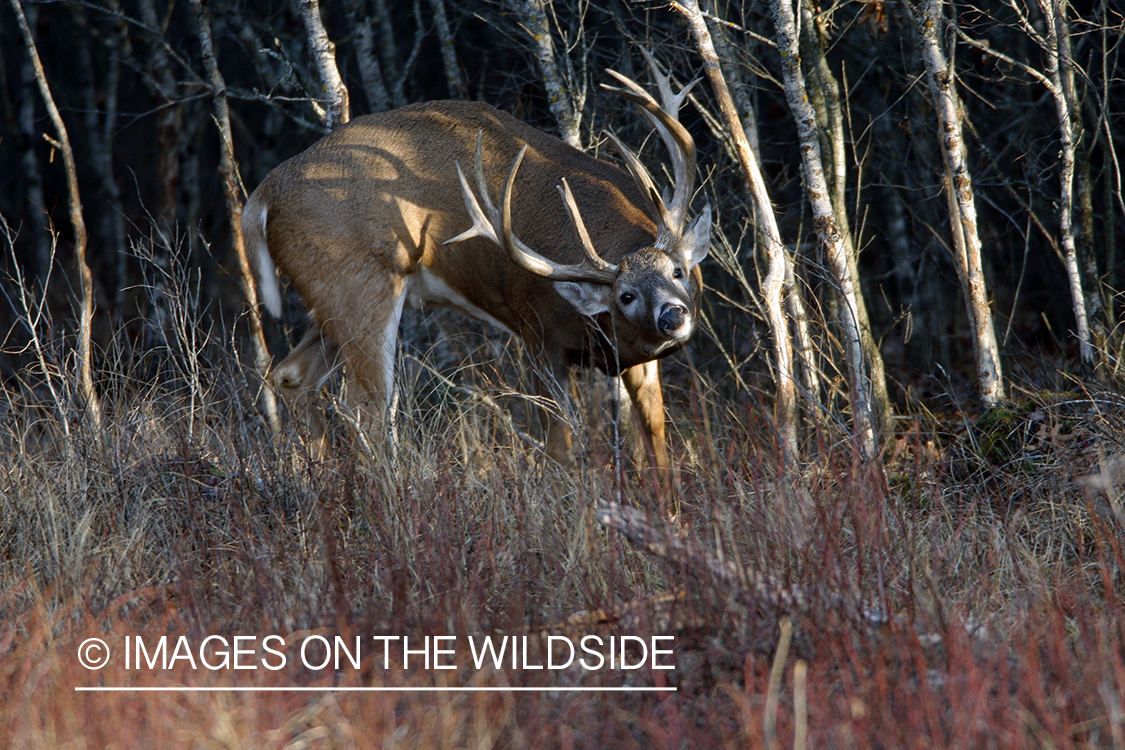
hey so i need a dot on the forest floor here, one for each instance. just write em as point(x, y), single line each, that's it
point(964, 590)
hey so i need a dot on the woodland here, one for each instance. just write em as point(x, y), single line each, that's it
point(895, 515)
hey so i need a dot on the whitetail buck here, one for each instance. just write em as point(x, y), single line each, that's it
point(374, 218)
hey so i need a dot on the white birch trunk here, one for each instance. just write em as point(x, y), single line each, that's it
point(963, 212)
point(86, 276)
point(336, 108)
point(1056, 45)
point(837, 191)
point(780, 264)
point(1057, 50)
point(568, 114)
point(825, 223)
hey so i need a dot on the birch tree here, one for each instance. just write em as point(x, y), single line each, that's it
point(565, 96)
point(962, 203)
point(826, 222)
point(774, 286)
point(336, 108)
point(1060, 71)
point(825, 101)
point(1059, 82)
point(77, 220)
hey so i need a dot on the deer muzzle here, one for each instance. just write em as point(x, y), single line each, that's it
point(672, 317)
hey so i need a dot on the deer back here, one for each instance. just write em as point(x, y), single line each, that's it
point(363, 214)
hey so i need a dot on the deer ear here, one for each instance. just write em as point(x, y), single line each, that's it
point(589, 299)
point(699, 235)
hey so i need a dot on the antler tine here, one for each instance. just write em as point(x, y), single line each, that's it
point(484, 221)
point(664, 117)
point(643, 179)
point(523, 255)
point(496, 225)
point(478, 172)
point(597, 266)
point(670, 101)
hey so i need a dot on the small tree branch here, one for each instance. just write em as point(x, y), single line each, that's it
point(228, 170)
point(86, 314)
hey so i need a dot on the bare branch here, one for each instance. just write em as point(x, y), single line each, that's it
point(231, 191)
point(86, 317)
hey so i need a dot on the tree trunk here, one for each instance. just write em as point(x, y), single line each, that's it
point(448, 57)
point(374, 86)
point(336, 108)
point(86, 276)
point(1061, 73)
point(962, 204)
point(228, 171)
point(565, 105)
point(780, 264)
point(828, 229)
point(836, 173)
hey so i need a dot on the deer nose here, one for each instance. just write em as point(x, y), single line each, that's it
point(671, 318)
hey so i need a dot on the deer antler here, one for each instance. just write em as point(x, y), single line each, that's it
point(496, 225)
point(669, 214)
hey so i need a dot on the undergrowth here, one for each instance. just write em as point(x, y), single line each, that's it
point(985, 556)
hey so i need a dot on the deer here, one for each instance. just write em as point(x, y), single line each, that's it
point(589, 264)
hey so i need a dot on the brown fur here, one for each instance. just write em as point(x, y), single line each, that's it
point(354, 220)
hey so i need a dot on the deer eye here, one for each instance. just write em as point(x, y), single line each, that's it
point(677, 273)
point(627, 298)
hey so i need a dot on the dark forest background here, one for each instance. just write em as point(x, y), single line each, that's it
point(930, 572)
point(130, 84)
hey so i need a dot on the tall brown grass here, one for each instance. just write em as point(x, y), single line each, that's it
point(994, 548)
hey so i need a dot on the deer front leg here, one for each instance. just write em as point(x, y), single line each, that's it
point(642, 382)
point(559, 444)
point(553, 383)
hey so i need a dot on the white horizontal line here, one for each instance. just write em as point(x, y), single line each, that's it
point(295, 689)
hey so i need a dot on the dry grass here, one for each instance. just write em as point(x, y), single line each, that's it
point(995, 550)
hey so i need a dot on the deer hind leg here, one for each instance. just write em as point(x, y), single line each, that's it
point(300, 377)
point(369, 345)
point(643, 385)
